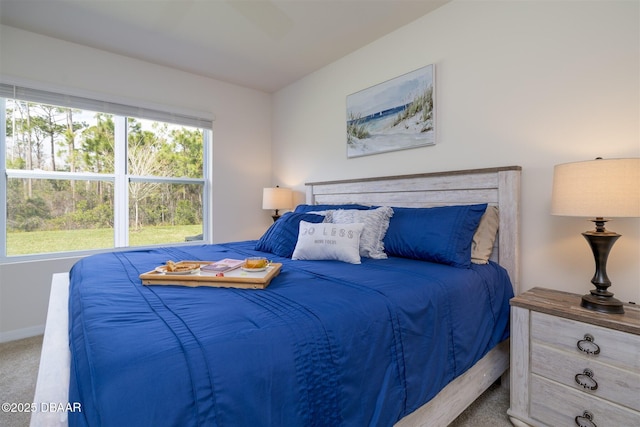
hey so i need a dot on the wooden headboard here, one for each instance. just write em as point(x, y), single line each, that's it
point(496, 186)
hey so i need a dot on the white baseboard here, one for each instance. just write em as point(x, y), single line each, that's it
point(19, 334)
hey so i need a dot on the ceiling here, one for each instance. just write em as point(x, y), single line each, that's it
point(265, 44)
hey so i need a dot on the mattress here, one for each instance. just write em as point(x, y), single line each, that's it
point(327, 343)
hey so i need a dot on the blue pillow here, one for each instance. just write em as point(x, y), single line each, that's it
point(441, 234)
point(315, 208)
point(281, 238)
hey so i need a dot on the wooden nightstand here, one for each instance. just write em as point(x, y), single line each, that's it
point(571, 366)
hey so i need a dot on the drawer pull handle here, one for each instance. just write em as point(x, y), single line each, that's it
point(587, 345)
point(585, 379)
point(584, 420)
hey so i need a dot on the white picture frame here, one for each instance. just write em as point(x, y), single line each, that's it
point(394, 115)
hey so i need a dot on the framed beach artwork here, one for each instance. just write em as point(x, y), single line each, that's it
point(395, 115)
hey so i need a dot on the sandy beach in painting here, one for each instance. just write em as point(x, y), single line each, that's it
point(385, 137)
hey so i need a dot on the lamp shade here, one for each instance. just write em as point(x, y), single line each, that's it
point(277, 198)
point(603, 188)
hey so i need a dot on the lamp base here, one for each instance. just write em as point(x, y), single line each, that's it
point(602, 304)
point(600, 299)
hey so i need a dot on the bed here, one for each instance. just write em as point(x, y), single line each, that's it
point(394, 341)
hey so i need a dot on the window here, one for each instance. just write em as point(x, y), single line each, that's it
point(80, 178)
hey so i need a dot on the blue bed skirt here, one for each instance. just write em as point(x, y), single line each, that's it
point(327, 343)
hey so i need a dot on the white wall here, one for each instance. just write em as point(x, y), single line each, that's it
point(241, 139)
point(518, 83)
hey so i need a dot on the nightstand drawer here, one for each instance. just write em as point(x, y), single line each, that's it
point(557, 405)
point(612, 347)
point(602, 380)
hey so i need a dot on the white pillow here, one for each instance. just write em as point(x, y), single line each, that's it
point(376, 223)
point(325, 241)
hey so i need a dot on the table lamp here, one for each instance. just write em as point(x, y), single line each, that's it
point(277, 198)
point(599, 189)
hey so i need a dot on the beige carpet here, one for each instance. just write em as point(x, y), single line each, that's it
point(19, 369)
point(19, 362)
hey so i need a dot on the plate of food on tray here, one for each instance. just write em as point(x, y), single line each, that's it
point(178, 268)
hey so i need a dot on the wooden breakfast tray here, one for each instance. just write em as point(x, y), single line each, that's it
point(237, 278)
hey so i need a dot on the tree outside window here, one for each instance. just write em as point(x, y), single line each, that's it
point(67, 173)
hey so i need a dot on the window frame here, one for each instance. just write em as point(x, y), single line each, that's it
point(120, 178)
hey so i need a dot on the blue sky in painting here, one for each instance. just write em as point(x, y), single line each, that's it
point(389, 94)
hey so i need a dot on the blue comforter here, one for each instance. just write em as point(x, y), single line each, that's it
point(327, 343)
